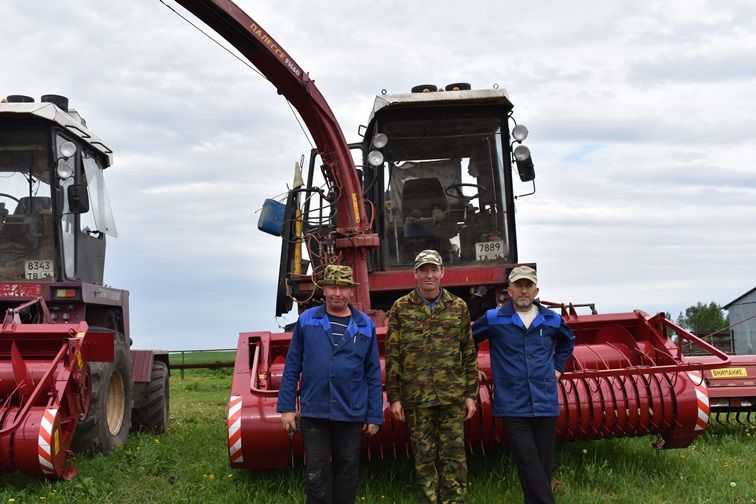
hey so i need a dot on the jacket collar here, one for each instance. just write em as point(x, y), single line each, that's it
point(446, 296)
point(507, 310)
point(357, 318)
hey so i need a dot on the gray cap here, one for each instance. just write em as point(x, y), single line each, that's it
point(523, 273)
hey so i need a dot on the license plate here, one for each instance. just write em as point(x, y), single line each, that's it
point(39, 270)
point(485, 251)
point(733, 372)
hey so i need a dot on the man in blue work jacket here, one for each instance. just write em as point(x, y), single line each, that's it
point(335, 350)
point(529, 346)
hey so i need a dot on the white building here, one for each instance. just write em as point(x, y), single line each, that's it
point(744, 334)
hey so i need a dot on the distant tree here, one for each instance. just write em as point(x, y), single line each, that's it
point(702, 319)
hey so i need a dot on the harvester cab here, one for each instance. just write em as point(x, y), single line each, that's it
point(435, 166)
point(438, 169)
point(68, 379)
point(438, 173)
point(54, 207)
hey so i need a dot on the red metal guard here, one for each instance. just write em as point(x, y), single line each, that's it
point(44, 391)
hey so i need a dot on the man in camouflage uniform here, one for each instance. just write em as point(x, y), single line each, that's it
point(432, 379)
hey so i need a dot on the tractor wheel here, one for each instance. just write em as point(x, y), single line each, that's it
point(155, 411)
point(108, 420)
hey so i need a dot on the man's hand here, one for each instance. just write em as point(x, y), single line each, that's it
point(397, 412)
point(558, 374)
point(289, 421)
point(370, 429)
point(470, 408)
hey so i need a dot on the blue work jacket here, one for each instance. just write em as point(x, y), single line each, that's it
point(340, 381)
point(524, 361)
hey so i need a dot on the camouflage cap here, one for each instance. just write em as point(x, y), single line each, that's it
point(428, 257)
point(523, 273)
point(335, 274)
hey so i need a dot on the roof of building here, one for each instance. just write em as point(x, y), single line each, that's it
point(726, 307)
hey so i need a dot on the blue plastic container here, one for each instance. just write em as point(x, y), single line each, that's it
point(272, 217)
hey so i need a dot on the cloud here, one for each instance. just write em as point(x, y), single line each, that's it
point(640, 118)
point(733, 65)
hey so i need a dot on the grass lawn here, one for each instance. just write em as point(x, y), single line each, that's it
point(189, 464)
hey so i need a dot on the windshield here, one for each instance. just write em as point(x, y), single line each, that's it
point(26, 217)
point(443, 190)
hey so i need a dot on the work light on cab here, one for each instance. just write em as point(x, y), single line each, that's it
point(380, 140)
point(520, 133)
point(375, 158)
point(67, 149)
point(64, 170)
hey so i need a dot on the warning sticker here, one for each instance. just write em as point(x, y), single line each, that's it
point(728, 372)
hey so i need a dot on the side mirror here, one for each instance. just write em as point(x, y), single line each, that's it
point(525, 167)
point(78, 199)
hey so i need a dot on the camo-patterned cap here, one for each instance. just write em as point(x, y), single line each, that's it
point(335, 274)
point(428, 257)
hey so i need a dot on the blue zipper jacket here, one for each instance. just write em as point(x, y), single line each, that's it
point(524, 361)
point(341, 382)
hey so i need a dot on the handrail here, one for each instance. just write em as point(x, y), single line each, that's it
point(724, 359)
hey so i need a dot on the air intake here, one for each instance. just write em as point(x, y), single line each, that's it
point(60, 101)
point(19, 98)
point(424, 88)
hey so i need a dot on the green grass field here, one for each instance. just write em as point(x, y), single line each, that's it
point(191, 357)
point(189, 464)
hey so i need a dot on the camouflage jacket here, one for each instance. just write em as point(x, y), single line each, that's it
point(431, 358)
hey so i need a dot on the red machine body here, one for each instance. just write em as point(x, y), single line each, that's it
point(68, 378)
point(626, 377)
point(731, 389)
point(44, 391)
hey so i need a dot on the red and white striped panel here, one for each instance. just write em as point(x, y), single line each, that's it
point(234, 429)
point(45, 442)
point(702, 398)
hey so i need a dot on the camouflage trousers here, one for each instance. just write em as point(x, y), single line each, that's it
point(438, 445)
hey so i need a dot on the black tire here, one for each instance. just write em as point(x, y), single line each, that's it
point(108, 420)
point(154, 414)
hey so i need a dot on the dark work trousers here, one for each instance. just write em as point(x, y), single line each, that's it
point(333, 460)
point(531, 442)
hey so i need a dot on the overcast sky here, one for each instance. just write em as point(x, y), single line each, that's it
point(642, 119)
